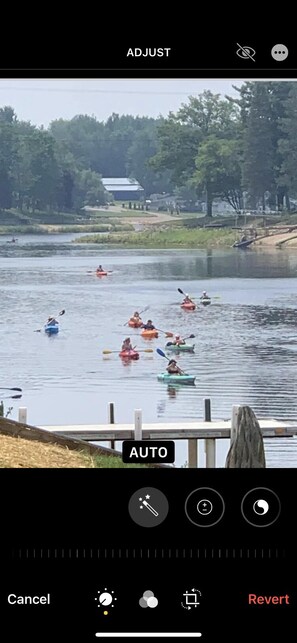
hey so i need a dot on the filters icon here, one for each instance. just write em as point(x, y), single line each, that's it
point(148, 599)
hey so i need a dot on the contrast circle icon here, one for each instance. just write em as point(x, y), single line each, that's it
point(279, 52)
point(204, 507)
point(260, 507)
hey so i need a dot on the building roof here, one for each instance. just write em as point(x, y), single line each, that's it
point(121, 185)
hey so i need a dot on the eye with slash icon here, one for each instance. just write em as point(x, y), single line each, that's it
point(105, 598)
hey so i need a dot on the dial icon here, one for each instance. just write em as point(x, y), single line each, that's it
point(105, 598)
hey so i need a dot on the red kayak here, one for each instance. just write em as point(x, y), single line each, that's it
point(134, 324)
point(188, 306)
point(129, 354)
point(101, 273)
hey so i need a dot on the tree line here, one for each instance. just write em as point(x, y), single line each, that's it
point(241, 149)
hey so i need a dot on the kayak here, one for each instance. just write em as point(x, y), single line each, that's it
point(51, 329)
point(129, 354)
point(188, 306)
point(188, 348)
point(205, 301)
point(134, 324)
point(103, 273)
point(149, 334)
point(176, 379)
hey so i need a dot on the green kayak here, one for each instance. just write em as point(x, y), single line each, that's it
point(187, 348)
point(176, 379)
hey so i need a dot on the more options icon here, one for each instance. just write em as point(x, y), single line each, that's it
point(260, 507)
point(204, 507)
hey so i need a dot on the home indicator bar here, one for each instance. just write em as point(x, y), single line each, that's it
point(148, 635)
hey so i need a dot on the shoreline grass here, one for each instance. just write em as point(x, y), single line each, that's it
point(170, 238)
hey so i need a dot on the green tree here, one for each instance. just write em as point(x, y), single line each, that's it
point(193, 129)
point(88, 189)
point(218, 171)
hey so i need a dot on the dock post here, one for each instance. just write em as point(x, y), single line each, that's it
point(22, 417)
point(138, 424)
point(192, 453)
point(210, 443)
point(111, 421)
point(234, 422)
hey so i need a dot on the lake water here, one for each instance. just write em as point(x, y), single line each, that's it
point(245, 341)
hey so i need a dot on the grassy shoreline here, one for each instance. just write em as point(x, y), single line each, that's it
point(170, 238)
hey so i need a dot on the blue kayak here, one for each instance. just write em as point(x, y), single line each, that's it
point(176, 379)
point(51, 329)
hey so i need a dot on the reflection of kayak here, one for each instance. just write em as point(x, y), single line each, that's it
point(188, 348)
point(101, 273)
point(176, 379)
point(129, 354)
point(205, 301)
point(51, 329)
point(149, 334)
point(133, 324)
point(188, 306)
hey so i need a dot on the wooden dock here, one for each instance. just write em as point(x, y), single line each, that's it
point(210, 431)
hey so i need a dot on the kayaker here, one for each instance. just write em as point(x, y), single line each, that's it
point(100, 269)
point(51, 321)
point(178, 340)
point(126, 345)
point(136, 319)
point(173, 368)
point(149, 325)
point(187, 300)
point(204, 295)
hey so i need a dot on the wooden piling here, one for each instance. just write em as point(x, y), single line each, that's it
point(22, 416)
point(247, 446)
point(138, 424)
point(111, 421)
point(210, 443)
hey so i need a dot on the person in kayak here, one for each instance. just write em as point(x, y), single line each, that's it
point(126, 345)
point(204, 295)
point(100, 269)
point(149, 325)
point(187, 300)
point(136, 319)
point(52, 321)
point(173, 368)
point(178, 341)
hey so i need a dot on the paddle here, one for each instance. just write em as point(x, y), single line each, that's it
point(12, 397)
point(15, 388)
point(160, 352)
point(62, 312)
point(142, 311)
point(168, 334)
point(142, 350)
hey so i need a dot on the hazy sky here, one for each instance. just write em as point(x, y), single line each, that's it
point(42, 101)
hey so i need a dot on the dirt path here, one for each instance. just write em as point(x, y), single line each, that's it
point(157, 217)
